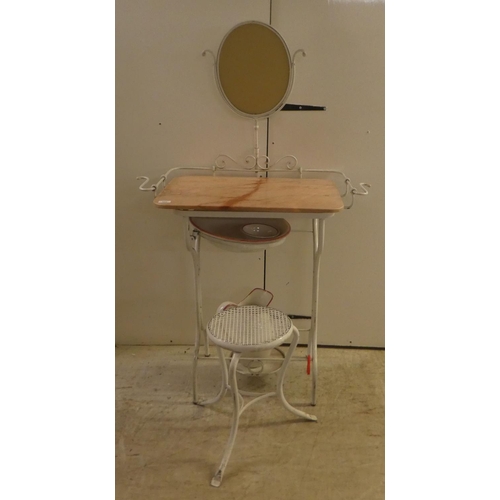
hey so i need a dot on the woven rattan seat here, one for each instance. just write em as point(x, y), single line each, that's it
point(249, 327)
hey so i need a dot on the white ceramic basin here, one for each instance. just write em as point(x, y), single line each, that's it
point(242, 235)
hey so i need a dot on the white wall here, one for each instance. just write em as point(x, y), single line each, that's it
point(343, 70)
point(161, 77)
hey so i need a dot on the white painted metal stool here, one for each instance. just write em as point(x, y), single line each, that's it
point(243, 329)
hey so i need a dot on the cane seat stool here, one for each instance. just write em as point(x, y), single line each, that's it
point(242, 329)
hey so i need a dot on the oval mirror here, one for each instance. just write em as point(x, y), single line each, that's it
point(254, 69)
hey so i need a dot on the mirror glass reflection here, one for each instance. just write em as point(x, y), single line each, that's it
point(254, 70)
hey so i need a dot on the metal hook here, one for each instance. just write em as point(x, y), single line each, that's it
point(141, 187)
point(205, 52)
point(355, 192)
point(153, 187)
point(363, 185)
point(295, 54)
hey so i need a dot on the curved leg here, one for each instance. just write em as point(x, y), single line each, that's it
point(281, 376)
point(217, 479)
point(224, 384)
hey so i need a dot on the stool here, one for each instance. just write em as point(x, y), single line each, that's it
point(243, 329)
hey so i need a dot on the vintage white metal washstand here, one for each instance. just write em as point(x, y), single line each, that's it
point(266, 54)
point(249, 222)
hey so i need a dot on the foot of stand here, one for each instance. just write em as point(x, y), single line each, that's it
point(217, 479)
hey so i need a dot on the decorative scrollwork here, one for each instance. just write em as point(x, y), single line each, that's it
point(290, 162)
point(251, 162)
point(265, 159)
point(260, 163)
point(221, 161)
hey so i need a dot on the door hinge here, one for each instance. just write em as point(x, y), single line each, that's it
point(302, 107)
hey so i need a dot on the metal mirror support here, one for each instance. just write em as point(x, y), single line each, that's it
point(254, 73)
point(254, 69)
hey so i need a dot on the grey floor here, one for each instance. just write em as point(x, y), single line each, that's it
point(168, 448)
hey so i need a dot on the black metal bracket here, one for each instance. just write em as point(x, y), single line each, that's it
point(302, 107)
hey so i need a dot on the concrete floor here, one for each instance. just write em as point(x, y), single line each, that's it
point(168, 448)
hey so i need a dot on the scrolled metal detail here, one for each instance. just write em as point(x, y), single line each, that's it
point(251, 162)
point(266, 165)
point(290, 162)
point(260, 163)
point(221, 162)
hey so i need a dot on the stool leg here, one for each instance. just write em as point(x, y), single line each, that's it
point(281, 376)
point(217, 479)
point(224, 384)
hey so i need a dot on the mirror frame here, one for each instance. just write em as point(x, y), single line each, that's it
point(282, 102)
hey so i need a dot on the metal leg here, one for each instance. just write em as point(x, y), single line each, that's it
point(312, 351)
point(217, 479)
point(224, 384)
point(193, 242)
point(281, 376)
point(195, 367)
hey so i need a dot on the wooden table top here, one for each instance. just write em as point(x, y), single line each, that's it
point(250, 194)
